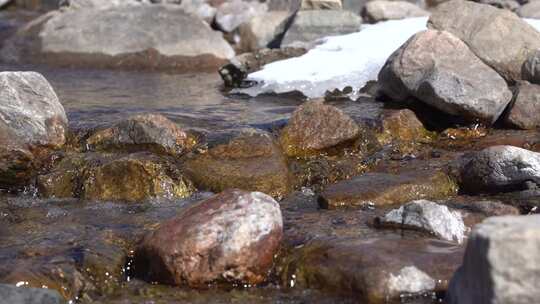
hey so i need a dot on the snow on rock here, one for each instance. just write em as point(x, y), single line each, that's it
point(339, 61)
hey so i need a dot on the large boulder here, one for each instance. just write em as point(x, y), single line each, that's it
point(383, 189)
point(524, 112)
point(320, 5)
point(531, 68)
point(382, 10)
point(500, 263)
point(262, 30)
point(498, 37)
point(251, 161)
point(23, 295)
point(315, 127)
point(530, 10)
point(231, 237)
point(144, 132)
point(143, 36)
point(499, 168)
point(32, 122)
point(308, 26)
point(440, 70)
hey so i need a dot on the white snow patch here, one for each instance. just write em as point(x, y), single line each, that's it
point(339, 61)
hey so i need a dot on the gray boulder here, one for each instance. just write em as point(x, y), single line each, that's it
point(530, 10)
point(145, 36)
point(382, 10)
point(501, 263)
point(231, 14)
point(320, 5)
point(531, 68)
point(440, 70)
point(498, 168)
point(11, 294)
point(525, 110)
point(498, 37)
point(427, 216)
point(32, 121)
point(309, 26)
point(510, 5)
point(262, 30)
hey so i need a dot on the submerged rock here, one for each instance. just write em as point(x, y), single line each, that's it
point(22, 295)
point(134, 177)
point(524, 113)
point(252, 162)
point(231, 237)
point(448, 77)
point(379, 189)
point(373, 270)
point(498, 37)
point(499, 169)
point(143, 36)
point(428, 216)
point(382, 10)
point(145, 132)
point(315, 127)
point(500, 263)
point(308, 26)
point(32, 122)
point(402, 126)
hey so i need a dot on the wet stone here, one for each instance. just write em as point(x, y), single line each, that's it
point(375, 270)
point(145, 132)
point(315, 127)
point(250, 161)
point(427, 216)
point(15, 294)
point(380, 189)
point(230, 238)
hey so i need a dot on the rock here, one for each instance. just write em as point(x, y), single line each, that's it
point(373, 270)
point(448, 77)
point(320, 5)
point(308, 26)
point(143, 36)
point(4, 3)
point(524, 111)
point(315, 127)
point(284, 5)
point(100, 4)
point(234, 72)
point(144, 132)
point(498, 37)
point(23, 295)
point(263, 30)
point(500, 264)
point(231, 14)
point(531, 68)
point(498, 169)
point(380, 189)
point(38, 5)
point(231, 237)
point(131, 178)
point(402, 126)
point(382, 10)
point(201, 8)
point(530, 10)
point(32, 122)
point(427, 216)
point(251, 162)
point(510, 5)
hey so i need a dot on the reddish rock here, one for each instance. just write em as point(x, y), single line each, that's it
point(231, 237)
point(524, 113)
point(315, 127)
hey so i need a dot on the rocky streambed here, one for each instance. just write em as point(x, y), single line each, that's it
point(153, 187)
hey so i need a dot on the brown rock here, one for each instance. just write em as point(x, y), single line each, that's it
point(387, 189)
point(524, 113)
point(230, 238)
point(403, 127)
point(373, 270)
point(251, 162)
point(315, 127)
point(145, 132)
